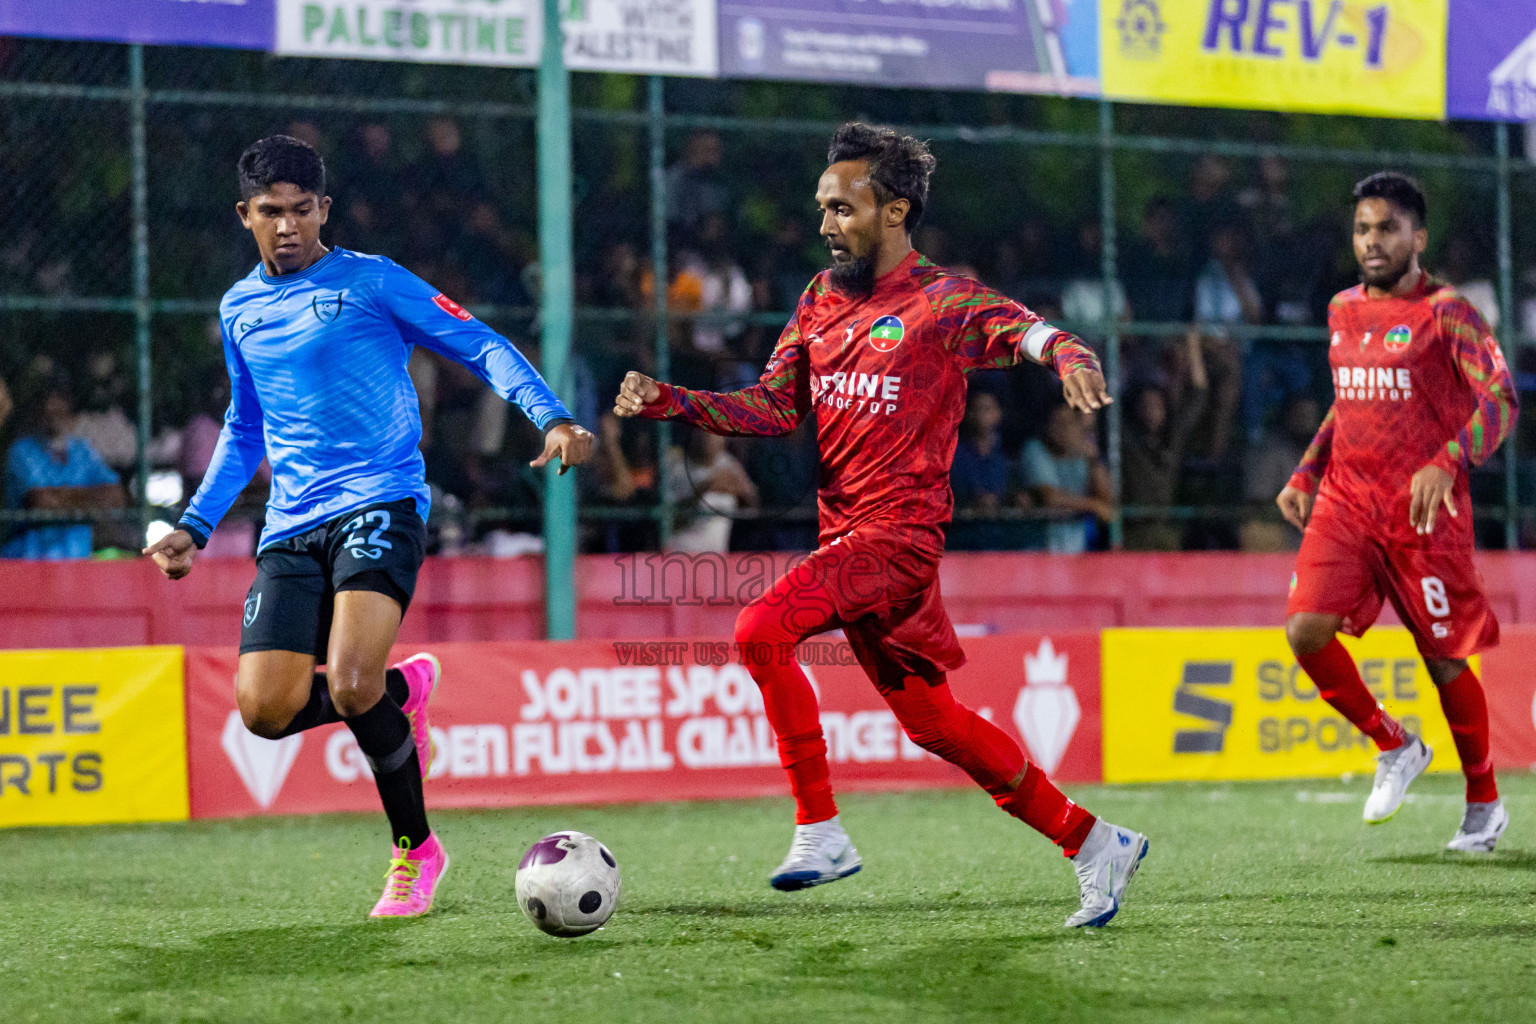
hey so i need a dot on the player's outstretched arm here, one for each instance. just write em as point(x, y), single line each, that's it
point(571, 443)
point(173, 553)
point(998, 332)
point(774, 405)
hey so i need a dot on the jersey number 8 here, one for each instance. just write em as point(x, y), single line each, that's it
point(1434, 597)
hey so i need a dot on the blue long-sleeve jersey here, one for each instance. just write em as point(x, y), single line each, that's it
point(318, 384)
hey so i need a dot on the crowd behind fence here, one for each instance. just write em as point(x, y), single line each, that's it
point(1196, 249)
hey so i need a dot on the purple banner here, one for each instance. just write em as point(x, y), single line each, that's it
point(246, 24)
point(1490, 70)
point(1007, 45)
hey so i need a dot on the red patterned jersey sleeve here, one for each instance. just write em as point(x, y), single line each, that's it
point(1481, 364)
point(774, 405)
point(988, 330)
point(1315, 460)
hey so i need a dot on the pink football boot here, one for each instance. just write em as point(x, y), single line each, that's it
point(422, 671)
point(411, 883)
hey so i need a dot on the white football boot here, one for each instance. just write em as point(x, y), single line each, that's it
point(821, 853)
point(1108, 859)
point(1395, 769)
point(1481, 827)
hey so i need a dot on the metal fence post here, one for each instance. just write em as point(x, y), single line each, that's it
point(1507, 336)
point(1109, 255)
point(142, 311)
point(658, 123)
point(557, 310)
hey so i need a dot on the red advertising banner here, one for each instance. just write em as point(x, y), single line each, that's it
point(1510, 686)
point(610, 721)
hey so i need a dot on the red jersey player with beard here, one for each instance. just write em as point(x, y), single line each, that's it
point(1421, 395)
point(880, 346)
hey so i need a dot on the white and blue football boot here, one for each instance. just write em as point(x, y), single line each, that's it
point(821, 853)
point(1481, 826)
point(1105, 865)
point(1395, 769)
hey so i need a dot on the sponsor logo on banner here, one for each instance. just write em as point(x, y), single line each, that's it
point(495, 32)
point(262, 763)
point(1233, 704)
point(1339, 56)
point(240, 23)
point(92, 736)
point(521, 723)
point(1047, 711)
point(1491, 60)
point(663, 37)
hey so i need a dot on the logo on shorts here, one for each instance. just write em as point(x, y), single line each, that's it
point(886, 333)
point(327, 307)
point(1398, 338)
point(1293, 583)
point(252, 609)
point(450, 307)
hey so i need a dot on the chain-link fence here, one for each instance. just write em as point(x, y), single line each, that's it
point(1195, 248)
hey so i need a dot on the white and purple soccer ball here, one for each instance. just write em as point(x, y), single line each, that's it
point(568, 884)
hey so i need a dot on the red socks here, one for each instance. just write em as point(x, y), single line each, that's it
point(1337, 679)
point(936, 722)
point(766, 638)
point(1467, 712)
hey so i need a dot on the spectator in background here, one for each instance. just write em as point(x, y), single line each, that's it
point(1459, 267)
point(487, 257)
point(1208, 204)
point(1157, 270)
point(236, 534)
point(707, 484)
point(623, 475)
point(1225, 296)
point(1290, 257)
point(370, 190)
point(1065, 475)
point(785, 472)
point(448, 181)
point(786, 264)
point(51, 469)
point(696, 187)
point(6, 405)
point(1267, 470)
point(103, 419)
point(980, 477)
point(723, 289)
point(1153, 452)
point(1082, 299)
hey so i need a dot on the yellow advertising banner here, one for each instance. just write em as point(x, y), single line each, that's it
point(1385, 58)
point(92, 736)
point(1231, 704)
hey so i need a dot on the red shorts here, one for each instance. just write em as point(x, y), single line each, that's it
point(884, 584)
point(1438, 593)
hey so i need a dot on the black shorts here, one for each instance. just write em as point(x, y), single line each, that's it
point(378, 547)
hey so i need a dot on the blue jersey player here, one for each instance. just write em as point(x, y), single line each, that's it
point(316, 341)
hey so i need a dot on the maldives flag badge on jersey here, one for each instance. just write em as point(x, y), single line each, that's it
point(886, 333)
point(1398, 338)
point(450, 307)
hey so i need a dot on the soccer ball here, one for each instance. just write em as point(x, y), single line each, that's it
point(568, 884)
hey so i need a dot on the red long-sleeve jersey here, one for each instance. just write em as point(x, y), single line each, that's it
point(886, 376)
point(1418, 379)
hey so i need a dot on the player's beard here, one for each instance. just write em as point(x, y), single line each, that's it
point(1387, 278)
point(855, 276)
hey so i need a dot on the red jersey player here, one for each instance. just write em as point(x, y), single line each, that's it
point(880, 346)
point(1421, 394)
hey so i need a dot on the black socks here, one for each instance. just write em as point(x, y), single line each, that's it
point(320, 711)
point(384, 735)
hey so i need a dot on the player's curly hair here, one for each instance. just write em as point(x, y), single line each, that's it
point(1398, 189)
point(899, 165)
point(280, 158)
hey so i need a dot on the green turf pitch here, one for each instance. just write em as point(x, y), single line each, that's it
point(1254, 905)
